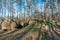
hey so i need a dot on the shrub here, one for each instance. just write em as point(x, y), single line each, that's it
point(18, 24)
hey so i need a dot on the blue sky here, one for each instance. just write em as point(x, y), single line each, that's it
point(22, 5)
point(39, 3)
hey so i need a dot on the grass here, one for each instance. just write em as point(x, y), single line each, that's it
point(1, 35)
point(43, 32)
point(36, 38)
point(6, 36)
point(35, 29)
point(29, 38)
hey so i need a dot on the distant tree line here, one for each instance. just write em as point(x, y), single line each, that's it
point(51, 7)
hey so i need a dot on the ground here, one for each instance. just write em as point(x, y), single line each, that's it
point(33, 32)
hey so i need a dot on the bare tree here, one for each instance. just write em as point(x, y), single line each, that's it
point(2, 7)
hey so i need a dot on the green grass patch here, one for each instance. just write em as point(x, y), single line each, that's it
point(9, 35)
point(1, 35)
point(29, 38)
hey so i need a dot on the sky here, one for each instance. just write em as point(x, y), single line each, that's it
point(22, 5)
point(39, 3)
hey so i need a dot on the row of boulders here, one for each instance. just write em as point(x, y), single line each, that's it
point(8, 24)
point(17, 24)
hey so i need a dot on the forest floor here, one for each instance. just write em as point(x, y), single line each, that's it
point(32, 32)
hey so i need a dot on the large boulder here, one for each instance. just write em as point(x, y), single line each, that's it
point(8, 24)
point(45, 27)
point(31, 22)
point(0, 23)
point(13, 25)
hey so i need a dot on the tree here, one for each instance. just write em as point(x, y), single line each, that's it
point(19, 2)
point(2, 7)
point(12, 9)
point(46, 4)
